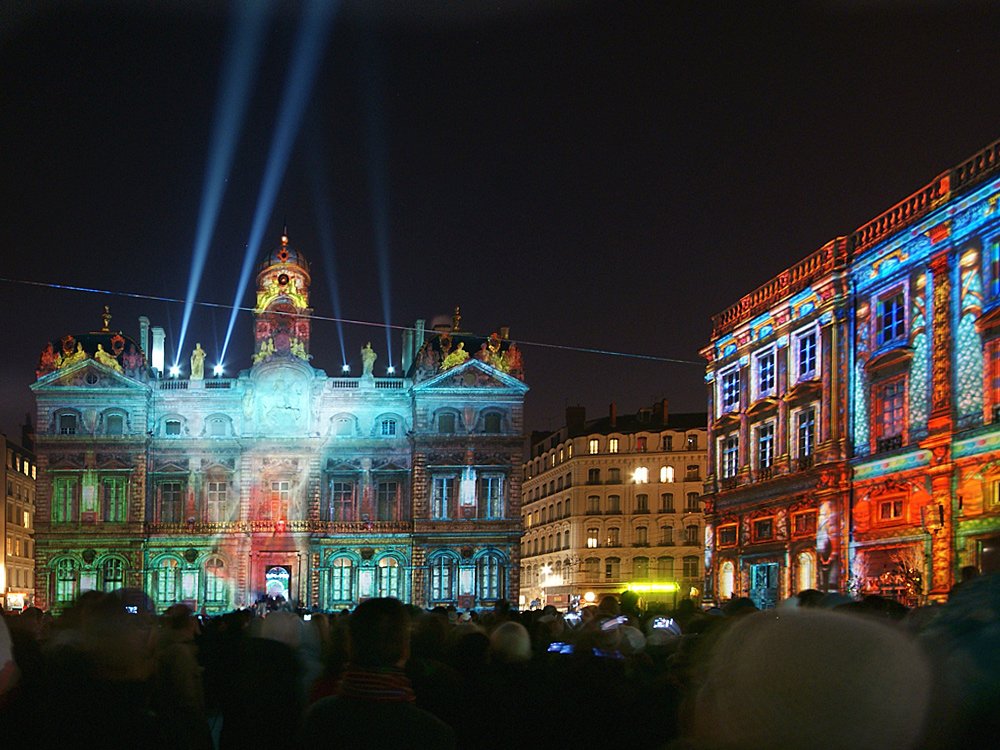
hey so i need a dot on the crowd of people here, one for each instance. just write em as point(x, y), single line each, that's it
point(818, 671)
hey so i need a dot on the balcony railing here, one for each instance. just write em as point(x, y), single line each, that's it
point(882, 445)
point(727, 483)
point(764, 473)
point(326, 527)
point(804, 462)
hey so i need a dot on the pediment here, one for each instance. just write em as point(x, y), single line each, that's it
point(472, 374)
point(341, 467)
point(113, 461)
point(88, 373)
point(389, 466)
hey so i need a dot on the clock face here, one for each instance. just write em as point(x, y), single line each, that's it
point(283, 279)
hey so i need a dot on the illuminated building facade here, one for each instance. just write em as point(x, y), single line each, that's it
point(282, 481)
point(17, 575)
point(778, 456)
point(612, 503)
point(906, 470)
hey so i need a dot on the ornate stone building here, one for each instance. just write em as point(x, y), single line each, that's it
point(887, 376)
point(281, 481)
point(613, 503)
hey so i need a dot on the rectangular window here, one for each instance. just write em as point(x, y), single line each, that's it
point(171, 502)
point(642, 503)
point(388, 428)
point(667, 536)
point(889, 414)
point(691, 567)
point(115, 424)
point(614, 504)
point(890, 510)
point(764, 364)
point(641, 475)
point(342, 505)
point(113, 500)
point(667, 502)
point(763, 529)
point(65, 499)
point(216, 502)
point(691, 534)
point(806, 429)
point(442, 496)
point(386, 499)
point(805, 356)
point(640, 444)
point(731, 390)
point(614, 475)
point(726, 535)
point(804, 523)
point(891, 320)
point(491, 495)
point(614, 537)
point(765, 446)
point(693, 504)
point(594, 476)
point(594, 445)
point(279, 500)
point(641, 536)
point(668, 442)
point(593, 504)
point(592, 536)
point(730, 456)
point(172, 427)
point(612, 445)
point(67, 424)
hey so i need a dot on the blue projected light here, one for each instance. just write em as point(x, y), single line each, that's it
point(378, 175)
point(298, 83)
point(322, 203)
point(243, 47)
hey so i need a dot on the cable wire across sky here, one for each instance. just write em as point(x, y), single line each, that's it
point(348, 321)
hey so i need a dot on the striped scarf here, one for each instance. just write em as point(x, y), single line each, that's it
point(376, 686)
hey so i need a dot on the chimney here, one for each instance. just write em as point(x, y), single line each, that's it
point(662, 411)
point(576, 416)
point(144, 335)
point(407, 354)
point(418, 335)
point(159, 336)
point(613, 414)
point(505, 332)
point(28, 433)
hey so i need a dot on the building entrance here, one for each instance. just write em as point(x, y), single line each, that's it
point(276, 583)
point(764, 585)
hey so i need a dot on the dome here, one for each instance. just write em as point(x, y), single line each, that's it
point(284, 255)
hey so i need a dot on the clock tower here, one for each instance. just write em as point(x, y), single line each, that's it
point(282, 312)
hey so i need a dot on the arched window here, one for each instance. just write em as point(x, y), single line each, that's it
point(691, 534)
point(727, 580)
point(666, 473)
point(166, 581)
point(389, 578)
point(489, 577)
point(114, 424)
point(387, 428)
point(613, 569)
point(341, 589)
point(216, 588)
point(807, 571)
point(443, 581)
point(665, 568)
point(112, 574)
point(591, 569)
point(66, 581)
point(558, 540)
point(667, 536)
point(640, 568)
point(446, 424)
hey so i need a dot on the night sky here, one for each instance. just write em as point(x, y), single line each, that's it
point(598, 175)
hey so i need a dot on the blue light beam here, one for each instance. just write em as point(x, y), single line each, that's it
point(321, 201)
point(242, 55)
point(378, 176)
point(309, 48)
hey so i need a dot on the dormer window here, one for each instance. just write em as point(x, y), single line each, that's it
point(217, 427)
point(491, 424)
point(114, 425)
point(446, 424)
point(172, 427)
point(67, 424)
point(388, 428)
